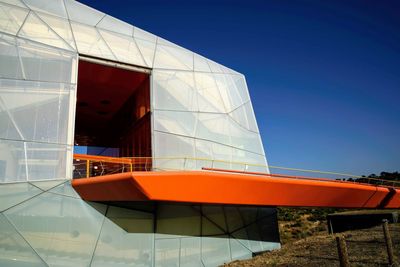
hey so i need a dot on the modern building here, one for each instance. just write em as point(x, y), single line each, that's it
point(74, 78)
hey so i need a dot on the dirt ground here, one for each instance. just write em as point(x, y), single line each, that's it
point(365, 248)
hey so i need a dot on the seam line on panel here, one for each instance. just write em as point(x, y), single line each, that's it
point(39, 81)
point(196, 138)
point(11, 119)
point(16, 230)
point(104, 40)
point(69, 24)
point(99, 20)
point(37, 142)
point(98, 237)
point(53, 31)
point(23, 23)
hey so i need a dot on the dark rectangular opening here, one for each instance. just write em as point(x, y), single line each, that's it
point(112, 111)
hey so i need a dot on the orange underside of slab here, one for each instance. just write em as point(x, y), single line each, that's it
point(234, 188)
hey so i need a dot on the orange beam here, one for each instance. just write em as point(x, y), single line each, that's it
point(233, 188)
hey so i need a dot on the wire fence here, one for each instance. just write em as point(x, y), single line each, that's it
point(86, 166)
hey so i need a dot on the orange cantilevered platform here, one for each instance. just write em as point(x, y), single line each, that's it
point(215, 187)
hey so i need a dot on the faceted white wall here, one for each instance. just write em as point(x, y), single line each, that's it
point(201, 111)
point(48, 224)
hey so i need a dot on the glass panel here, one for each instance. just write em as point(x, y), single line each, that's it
point(90, 42)
point(63, 230)
point(115, 25)
point(42, 63)
point(46, 185)
point(14, 251)
point(171, 150)
point(148, 50)
point(215, 250)
point(11, 18)
point(190, 252)
point(177, 220)
point(65, 189)
point(200, 63)
point(15, 193)
point(233, 218)
point(243, 139)
point(142, 34)
point(168, 57)
point(39, 110)
point(181, 123)
point(229, 91)
point(174, 91)
point(10, 66)
point(60, 26)
point(124, 48)
point(12, 161)
point(209, 98)
point(249, 161)
point(167, 252)
point(238, 250)
point(125, 239)
point(35, 29)
point(48, 161)
point(251, 118)
point(14, 2)
point(216, 215)
point(213, 127)
point(82, 13)
point(54, 7)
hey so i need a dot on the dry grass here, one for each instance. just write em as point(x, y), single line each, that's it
point(365, 248)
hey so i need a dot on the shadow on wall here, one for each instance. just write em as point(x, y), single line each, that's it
point(242, 222)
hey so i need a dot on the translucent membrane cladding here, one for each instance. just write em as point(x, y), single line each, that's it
point(90, 42)
point(35, 29)
point(59, 227)
point(11, 18)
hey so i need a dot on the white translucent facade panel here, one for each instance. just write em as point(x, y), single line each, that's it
point(244, 116)
point(173, 57)
point(42, 63)
point(14, 250)
point(172, 152)
point(214, 127)
point(14, 2)
point(112, 24)
point(47, 185)
point(65, 189)
point(35, 111)
point(233, 91)
point(166, 121)
point(62, 230)
point(215, 250)
point(144, 35)
point(10, 66)
point(81, 13)
point(13, 161)
point(190, 254)
point(167, 252)
point(15, 193)
point(90, 42)
point(200, 63)
point(55, 7)
point(60, 26)
point(209, 98)
point(147, 49)
point(124, 48)
point(174, 90)
point(35, 29)
point(48, 161)
point(118, 247)
point(238, 250)
point(11, 18)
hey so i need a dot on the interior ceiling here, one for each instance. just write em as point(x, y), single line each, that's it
point(102, 91)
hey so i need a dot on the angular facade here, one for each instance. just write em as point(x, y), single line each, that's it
point(189, 113)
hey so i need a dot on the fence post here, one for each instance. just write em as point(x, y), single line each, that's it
point(87, 168)
point(388, 241)
point(342, 251)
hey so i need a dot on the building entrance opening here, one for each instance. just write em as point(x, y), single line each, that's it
point(112, 111)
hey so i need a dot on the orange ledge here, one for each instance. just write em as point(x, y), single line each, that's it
point(234, 188)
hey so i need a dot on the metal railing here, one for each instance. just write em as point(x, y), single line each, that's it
point(86, 166)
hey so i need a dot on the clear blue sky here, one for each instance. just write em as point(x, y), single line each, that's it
point(324, 76)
